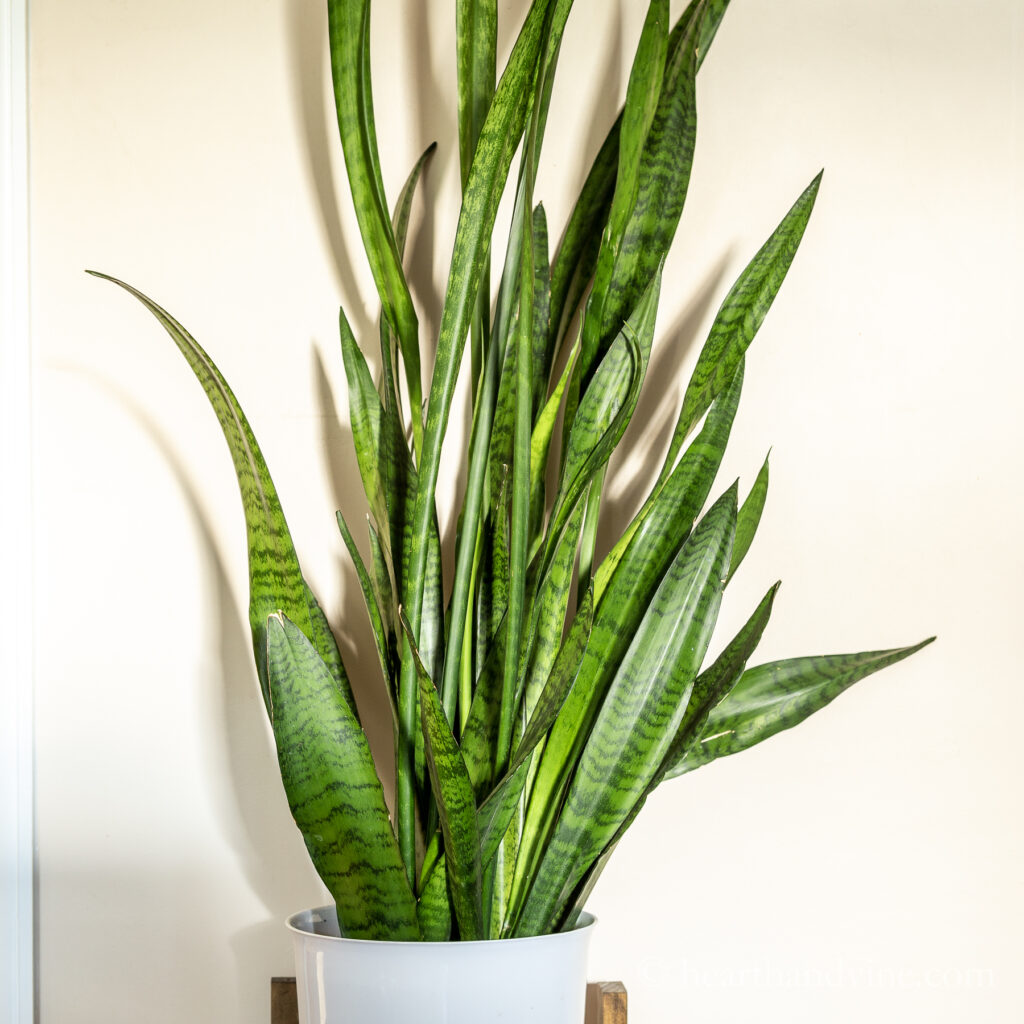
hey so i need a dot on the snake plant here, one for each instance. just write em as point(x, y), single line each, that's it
point(538, 705)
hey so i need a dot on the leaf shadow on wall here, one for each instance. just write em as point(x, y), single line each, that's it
point(638, 459)
point(307, 50)
point(245, 786)
point(351, 622)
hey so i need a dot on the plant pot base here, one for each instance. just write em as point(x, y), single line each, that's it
point(606, 1002)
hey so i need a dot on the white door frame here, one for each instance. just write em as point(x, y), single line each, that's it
point(17, 818)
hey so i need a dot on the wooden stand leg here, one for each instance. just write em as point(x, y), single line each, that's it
point(606, 1002)
point(284, 1002)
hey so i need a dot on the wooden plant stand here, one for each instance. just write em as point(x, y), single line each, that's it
point(606, 1002)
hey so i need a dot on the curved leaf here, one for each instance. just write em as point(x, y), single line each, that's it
point(749, 518)
point(333, 791)
point(456, 806)
point(779, 695)
point(638, 718)
point(275, 579)
point(349, 33)
point(740, 316)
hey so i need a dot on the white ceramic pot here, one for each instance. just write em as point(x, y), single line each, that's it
point(538, 980)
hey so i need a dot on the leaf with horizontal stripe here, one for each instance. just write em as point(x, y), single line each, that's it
point(638, 717)
point(779, 695)
point(333, 791)
point(740, 316)
point(275, 579)
point(456, 805)
point(749, 518)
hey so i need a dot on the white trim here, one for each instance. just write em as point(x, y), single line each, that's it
point(17, 818)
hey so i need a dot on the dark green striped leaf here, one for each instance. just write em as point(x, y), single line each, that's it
point(740, 316)
point(749, 518)
point(548, 615)
point(372, 607)
point(638, 238)
point(390, 482)
point(349, 32)
point(433, 909)
point(643, 552)
point(716, 681)
point(333, 791)
point(605, 411)
point(577, 254)
point(390, 394)
point(574, 263)
point(456, 805)
point(275, 579)
point(476, 30)
point(499, 137)
point(638, 718)
point(496, 811)
point(779, 695)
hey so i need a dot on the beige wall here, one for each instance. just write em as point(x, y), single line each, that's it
point(865, 867)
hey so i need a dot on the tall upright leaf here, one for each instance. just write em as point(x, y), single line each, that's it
point(456, 805)
point(499, 137)
point(389, 389)
point(349, 33)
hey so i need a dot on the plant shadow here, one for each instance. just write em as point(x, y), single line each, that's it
point(637, 458)
point(307, 52)
point(251, 809)
point(355, 636)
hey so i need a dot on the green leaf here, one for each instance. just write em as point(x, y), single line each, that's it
point(275, 579)
point(381, 468)
point(349, 32)
point(541, 309)
point(433, 909)
point(540, 445)
point(456, 805)
point(749, 518)
point(779, 695)
point(716, 681)
point(499, 137)
point(605, 411)
point(519, 540)
point(643, 221)
point(390, 394)
point(638, 718)
point(714, 11)
point(372, 607)
point(740, 316)
point(496, 811)
point(643, 552)
point(476, 23)
point(480, 736)
point(642, 94)
point(624, 594)
point(390, 482)
point(333, 791)
point(577, 255)
point(548, 614)
point(574, 263)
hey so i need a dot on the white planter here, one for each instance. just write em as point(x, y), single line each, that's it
point(538, 980)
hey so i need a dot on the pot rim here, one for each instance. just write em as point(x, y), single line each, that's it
point(585, 922)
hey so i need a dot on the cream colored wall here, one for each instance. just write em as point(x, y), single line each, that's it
point(865, 867)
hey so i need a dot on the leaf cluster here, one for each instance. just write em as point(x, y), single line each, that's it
point(538, 705)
